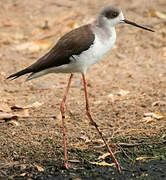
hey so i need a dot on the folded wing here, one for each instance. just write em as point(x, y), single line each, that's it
point(73, 43)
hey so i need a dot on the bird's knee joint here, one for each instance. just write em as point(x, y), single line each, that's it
point(94, 124)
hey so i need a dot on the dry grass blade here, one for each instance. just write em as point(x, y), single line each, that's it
point(39, 168)
point(103, 163)
point(145, 158)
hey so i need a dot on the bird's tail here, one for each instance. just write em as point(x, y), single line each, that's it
point(20, 73)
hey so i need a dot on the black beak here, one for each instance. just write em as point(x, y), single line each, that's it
point(134, 24)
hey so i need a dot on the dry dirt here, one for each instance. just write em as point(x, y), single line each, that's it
point(129, 82)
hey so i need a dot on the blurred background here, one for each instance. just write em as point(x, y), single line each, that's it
point(126, 89)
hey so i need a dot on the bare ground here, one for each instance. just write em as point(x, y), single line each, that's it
point(129, 82)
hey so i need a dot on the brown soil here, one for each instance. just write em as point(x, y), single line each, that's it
point(129, 82)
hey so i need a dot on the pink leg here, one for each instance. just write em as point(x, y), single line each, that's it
point(62, 109)
point(96, 126)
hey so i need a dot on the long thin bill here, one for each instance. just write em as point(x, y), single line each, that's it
point(134, 24)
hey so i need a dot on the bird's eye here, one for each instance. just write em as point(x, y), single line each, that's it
point(111, 14)
point(114, 14)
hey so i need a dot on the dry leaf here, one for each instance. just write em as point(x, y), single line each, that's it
point(148, 119)
point(39, 168)
point(7, 116)
point(158, 103)
point(97, 141)
point(23, 174)
point(22, 113)
point(155, 115)
point(20, 107)
point(85, 138)
point(103, 163)
point(14, 122)
point(103, 156)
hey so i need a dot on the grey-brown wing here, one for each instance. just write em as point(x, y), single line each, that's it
point(73, 43)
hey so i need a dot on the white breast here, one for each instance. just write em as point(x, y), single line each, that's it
point(96, 52)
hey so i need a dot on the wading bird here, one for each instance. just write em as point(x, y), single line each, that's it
point(75, 52)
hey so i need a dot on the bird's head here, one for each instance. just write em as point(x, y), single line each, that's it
point(111, 16)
